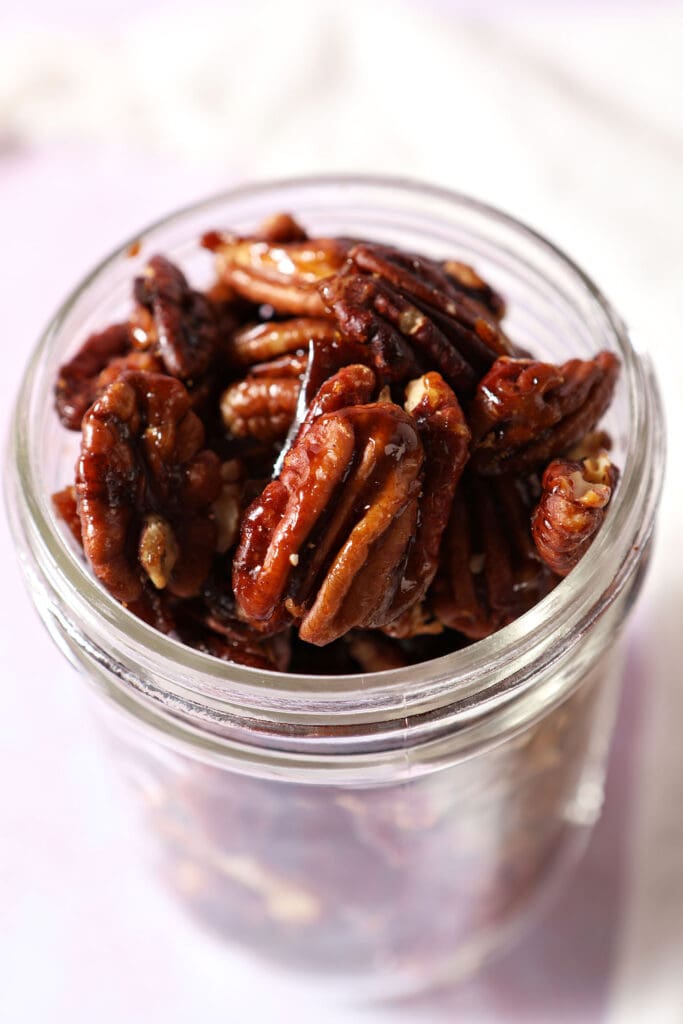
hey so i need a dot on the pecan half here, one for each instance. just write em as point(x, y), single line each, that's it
point(404, 332)
point(574, 500)
point(325, 543)
point(283, 274)
point(445, 438)
point(261, 407)
point(454, 289)
point(141, 457)
point(489, 572)
point(97, 363)
point(263, 342)
point(182, 326)
point(526, 412)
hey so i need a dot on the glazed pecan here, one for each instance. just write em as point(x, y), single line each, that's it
point(374, 652)
point(525, 412)
point(181, 326)
point(65, 506)
point(210, 622)
point(574, 500)
point(391, 315)
point(445, 438)
point(473, 307)
point(261, 407)
point(144, 486)
point(283, 274)
point(325, 543)
point(262, 342)
point(281, 227)
point(97, 363)
point(490, 572)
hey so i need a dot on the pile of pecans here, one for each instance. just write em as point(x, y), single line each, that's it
point(336, 446)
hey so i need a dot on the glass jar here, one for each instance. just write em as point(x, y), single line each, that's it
point(387, 830)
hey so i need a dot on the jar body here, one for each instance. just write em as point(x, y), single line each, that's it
point(395, 829)
point(378, 888)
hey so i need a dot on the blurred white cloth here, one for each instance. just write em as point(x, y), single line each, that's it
point(567, 116)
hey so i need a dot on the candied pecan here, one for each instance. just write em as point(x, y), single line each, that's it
point(526, 412)
point(445, 438)
point(468, 280)
point(281, 227)
point(65, 506)
point(489, 572)
point(97, 363)
point(260, 407)
point(574, 500)
point(182, 325)
point(260, 342)
point(283, 274)
point(227, 508)
point(374, 652)
point(433, 286)
point(405, 333)
point(141, 457)
point(325, 543)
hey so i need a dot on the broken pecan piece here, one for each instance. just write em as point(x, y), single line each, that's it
point(97, 363)
point(144, 486)
point(574, 500)
point(182, 326)
point(283, 274)
point(325, 543)
point(526, 412)
point(489, 572)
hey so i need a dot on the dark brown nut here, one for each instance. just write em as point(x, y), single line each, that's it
point(261, 342)
point(468, 280)
point(144, 486)
point(284, 275)
point(65, 506)
point(325, 543)
point(260, 407)
point(182, 326)
point(96, 364)
point(418, 620)
point(445, 438)
point(525, 413)
point(281, 227)
point(235, 642)
point(592, 444)
point(404, 336)
point(374, 652)
point(490, 572)
point(228, 507)
point(435, 288)
point(572, 508)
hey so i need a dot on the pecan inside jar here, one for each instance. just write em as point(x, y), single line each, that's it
point(324, 545)
point(144, 485)
point(573, 504)
point(335, 445)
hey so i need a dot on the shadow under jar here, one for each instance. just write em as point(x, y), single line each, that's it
point(389, 830)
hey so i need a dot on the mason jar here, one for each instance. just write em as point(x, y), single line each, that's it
point(383, 831)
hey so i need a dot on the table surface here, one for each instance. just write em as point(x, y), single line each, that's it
point(571, 119)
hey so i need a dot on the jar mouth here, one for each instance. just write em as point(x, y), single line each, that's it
point(485, 672)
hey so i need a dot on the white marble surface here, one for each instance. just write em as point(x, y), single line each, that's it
point(567, 115)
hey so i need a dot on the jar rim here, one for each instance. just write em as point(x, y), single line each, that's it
point(478, 676)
